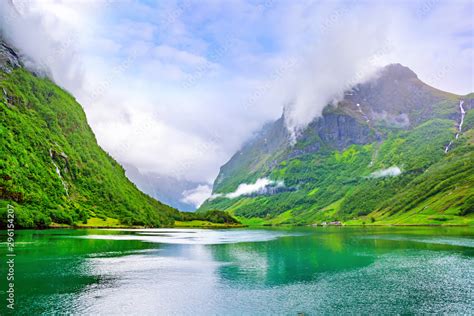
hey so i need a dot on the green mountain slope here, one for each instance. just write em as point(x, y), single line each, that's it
point(51, 168)
point(378, 157)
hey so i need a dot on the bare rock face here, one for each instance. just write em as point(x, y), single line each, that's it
point(342, 131)
point(8, 58)
point(398, 98)
point(11, 58)
point(259, 151)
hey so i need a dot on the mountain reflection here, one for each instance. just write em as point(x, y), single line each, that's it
point(288, 260)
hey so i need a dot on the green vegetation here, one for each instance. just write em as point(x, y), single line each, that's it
point(214, 216)
point(99, 222)
point(55, 175)
point(329, 184)
point(41, 127)
point(205, 224)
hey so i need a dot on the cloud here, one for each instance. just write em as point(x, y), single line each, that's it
point(165, 52)
point(50, 34)
point(348, 42)
point(340, 55)
point(175, 88)
point(389, 172)
point(197, 196)
point(259, 187)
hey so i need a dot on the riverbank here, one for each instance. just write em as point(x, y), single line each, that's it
point(412, 218)
point(205, 224)
point(94, 223)
point(202, 224)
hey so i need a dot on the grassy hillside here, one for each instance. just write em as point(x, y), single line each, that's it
point(51, 168)
point(433, 187)
point(380, 163)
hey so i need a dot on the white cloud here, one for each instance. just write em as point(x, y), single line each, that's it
point(52, 34)
point(197, 196)
point(128, 63)
point(259, 187)
point(389, 172)
point(347, 42)
point(339, 53)
point(182, 57)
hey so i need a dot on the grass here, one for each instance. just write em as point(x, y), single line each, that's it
point(408, 219)
point(98, 222)
point(253, 221)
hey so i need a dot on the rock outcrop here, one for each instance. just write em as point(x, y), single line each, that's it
point(8, 58)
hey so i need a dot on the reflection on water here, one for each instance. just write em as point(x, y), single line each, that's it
point(289, 260)
point(193, 236)
point(245, 271)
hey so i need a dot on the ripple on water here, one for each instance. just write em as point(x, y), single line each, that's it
point(449, 241)
point(236, 272)
point(421, 283)
point(194, 236)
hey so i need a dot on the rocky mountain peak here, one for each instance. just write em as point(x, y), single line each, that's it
point(396, 97)
point(397, 72)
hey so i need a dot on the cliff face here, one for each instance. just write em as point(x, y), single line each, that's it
point(260, 152)
point(341, 131)
point(397, 97)
point(8, 58)
point(393, 122)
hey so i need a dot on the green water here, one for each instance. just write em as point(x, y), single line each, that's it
point(243, 271)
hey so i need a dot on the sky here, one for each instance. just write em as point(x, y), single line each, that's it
point(176, 87)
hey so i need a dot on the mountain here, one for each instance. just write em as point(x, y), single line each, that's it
point(51, 168)
point(391, 152)
point(164, 188)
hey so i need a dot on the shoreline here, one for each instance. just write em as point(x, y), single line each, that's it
point(221, 226)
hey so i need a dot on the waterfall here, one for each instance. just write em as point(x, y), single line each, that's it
point(362, 112)
point(448, 146)
point(461, 122)
point(58, 172)
point(463, 114)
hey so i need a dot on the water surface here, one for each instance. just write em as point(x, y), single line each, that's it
point(328, 270)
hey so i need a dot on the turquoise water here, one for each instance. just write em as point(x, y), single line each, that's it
point(313, 271)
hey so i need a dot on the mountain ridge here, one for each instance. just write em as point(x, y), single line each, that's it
point(52, 169)
point(394, 107)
